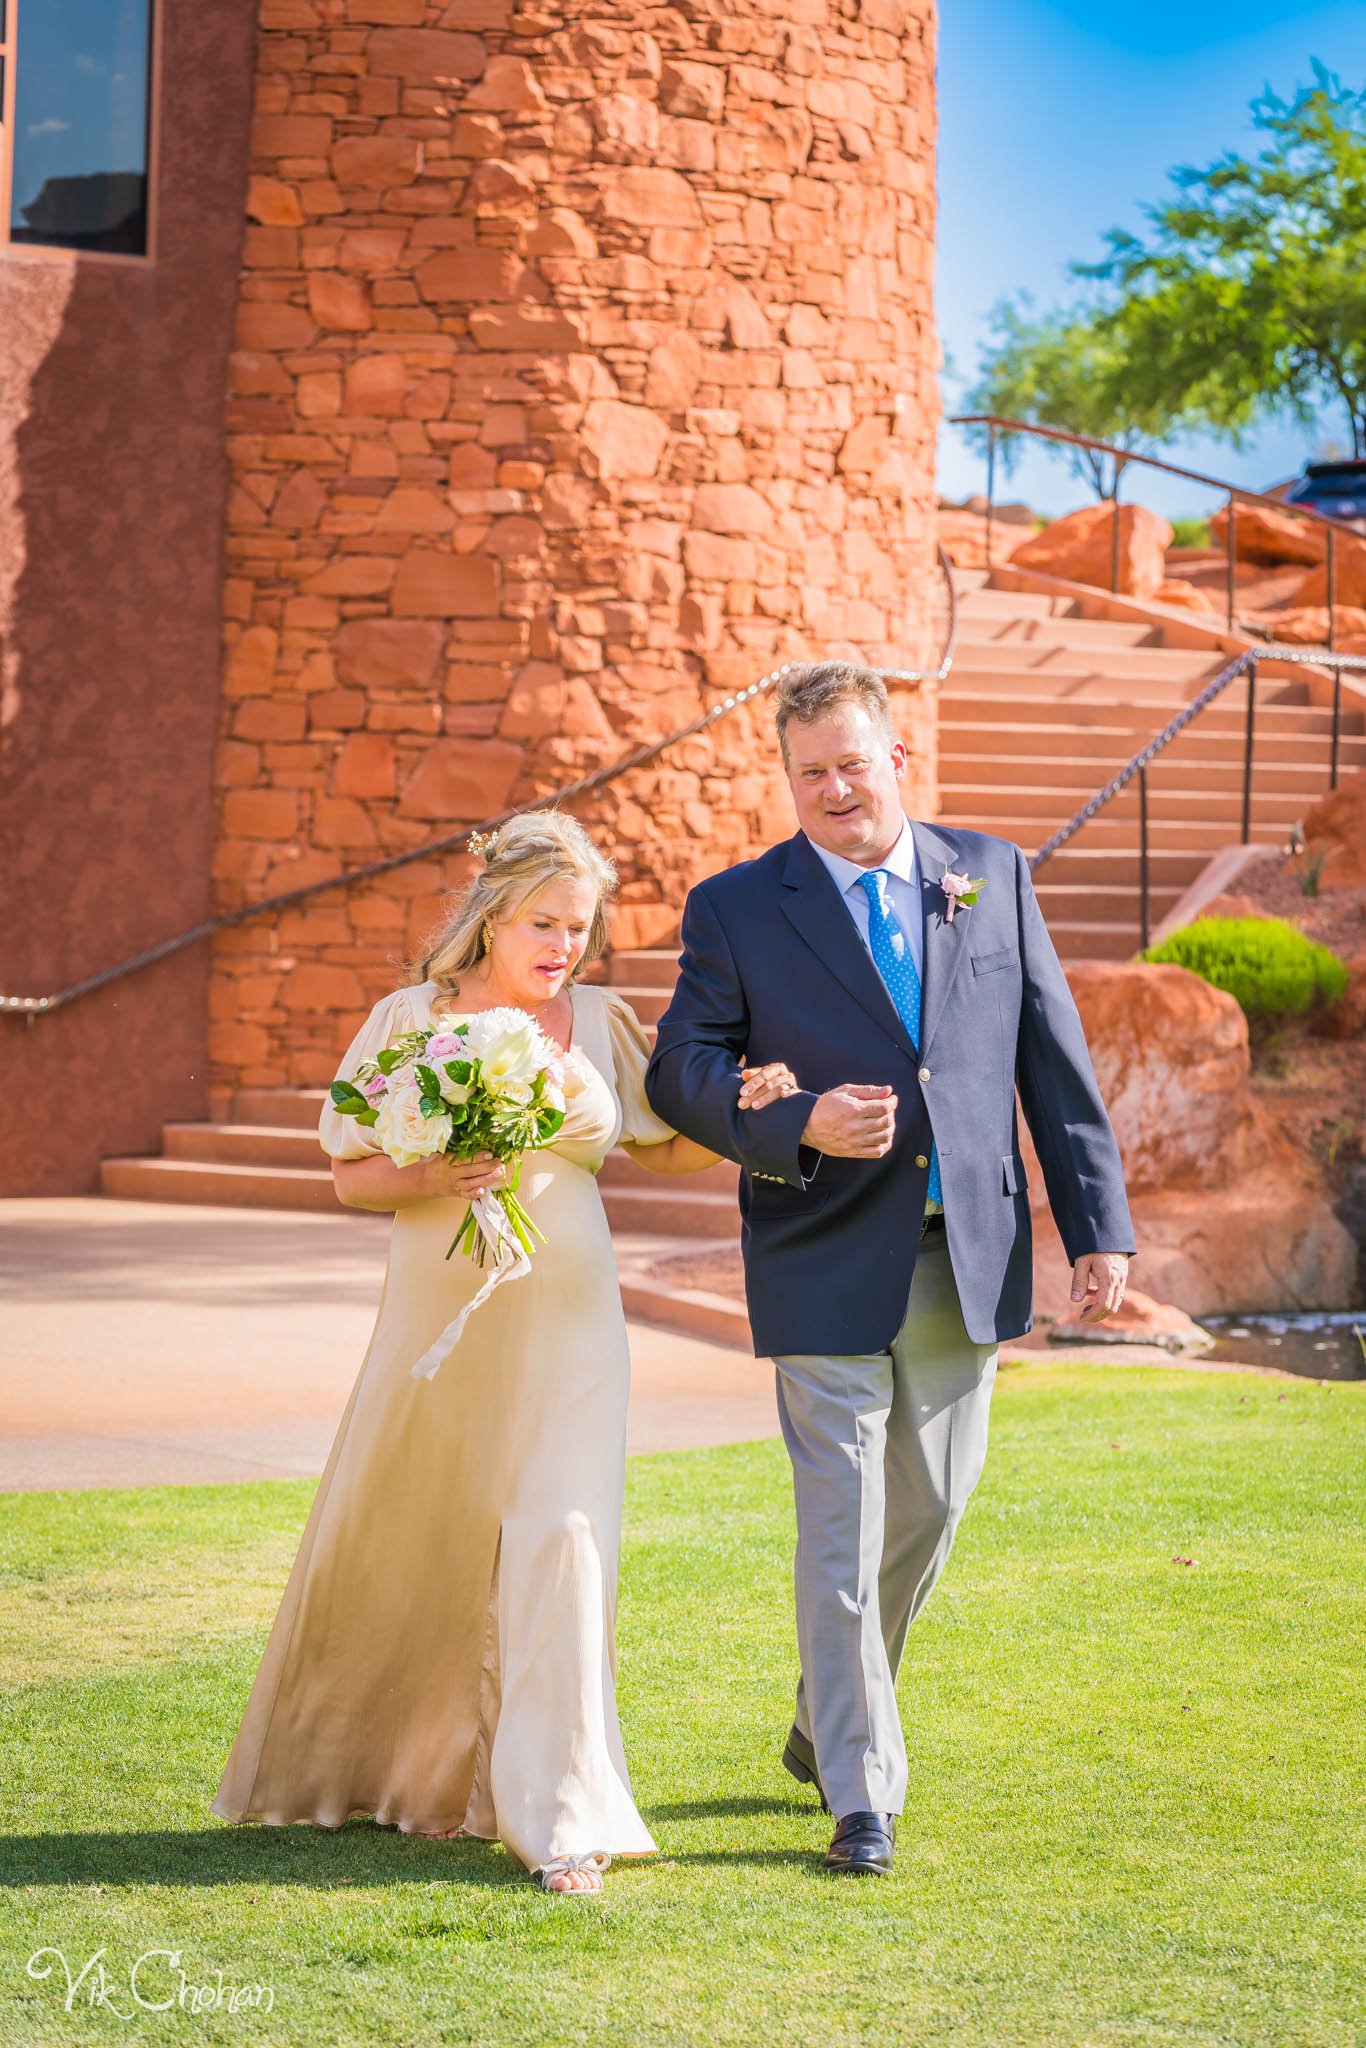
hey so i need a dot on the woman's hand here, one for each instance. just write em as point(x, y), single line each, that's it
point(761, 1085)
point(463, 1179)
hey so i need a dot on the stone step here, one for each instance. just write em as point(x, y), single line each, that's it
point(1111, 832)
point(269, 1146)
point(239, 1144)
point(1009, 628)
point(655, 967)
point(1008, 741)
point(647, 1202)
point(648, 1001)
point(966, 581)
point(1117, 686)
point(1065, 904)
point(1276, 810)
point(1025, 658)
point(1174, 768)
point(1096, 941)
point(983, 602)
point(296, 1109)
point(220, 1185)
point(1137, 715)
point(1110, 866)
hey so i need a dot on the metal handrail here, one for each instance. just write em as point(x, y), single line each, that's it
point(997, 423)
point(1245, 663)
point(38, 1006)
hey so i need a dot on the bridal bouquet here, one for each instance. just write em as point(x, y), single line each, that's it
point(492, 1083)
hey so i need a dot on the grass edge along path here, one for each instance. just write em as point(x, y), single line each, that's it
point(1133, 1711)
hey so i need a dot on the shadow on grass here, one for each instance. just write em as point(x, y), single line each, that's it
point(357, 1854)
point(727, 1809)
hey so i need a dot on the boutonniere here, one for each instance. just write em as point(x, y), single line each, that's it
point(960, 890)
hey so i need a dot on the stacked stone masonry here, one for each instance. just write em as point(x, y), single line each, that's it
point(584, 372)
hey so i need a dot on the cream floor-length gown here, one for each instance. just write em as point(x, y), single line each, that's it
point(444, 1653)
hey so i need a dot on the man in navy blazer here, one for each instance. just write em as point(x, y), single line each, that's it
point(905, 974)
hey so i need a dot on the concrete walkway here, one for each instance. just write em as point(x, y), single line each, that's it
point(143, 1344)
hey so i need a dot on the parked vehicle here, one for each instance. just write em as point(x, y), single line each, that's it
point(1337, 489)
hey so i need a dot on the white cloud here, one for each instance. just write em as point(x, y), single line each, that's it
point(84, 63)
point(48, 128)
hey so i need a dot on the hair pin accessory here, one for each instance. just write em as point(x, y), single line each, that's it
point(483, 844)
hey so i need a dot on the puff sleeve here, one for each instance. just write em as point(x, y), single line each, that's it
point(630, 1058)
point(341, 1137)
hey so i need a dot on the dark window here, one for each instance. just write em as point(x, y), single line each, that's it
point(80, 152)
point(1323, 481)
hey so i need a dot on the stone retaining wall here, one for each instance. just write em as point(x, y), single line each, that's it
point(585, 371)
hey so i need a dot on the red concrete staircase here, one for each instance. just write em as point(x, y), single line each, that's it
point(1045, 704)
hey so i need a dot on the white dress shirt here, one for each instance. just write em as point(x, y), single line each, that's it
point(902, 891)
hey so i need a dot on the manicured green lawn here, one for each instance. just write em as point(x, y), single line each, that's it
point(1137, 1783)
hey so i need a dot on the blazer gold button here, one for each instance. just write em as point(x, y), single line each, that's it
point(924, 1073)
point(921, 1160)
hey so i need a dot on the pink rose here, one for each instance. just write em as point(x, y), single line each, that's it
point(959, 889)
point(446, 1045)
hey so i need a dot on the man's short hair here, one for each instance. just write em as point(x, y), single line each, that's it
point(809, 692)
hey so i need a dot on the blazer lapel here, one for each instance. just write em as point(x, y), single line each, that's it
point(812, 904)
point(944, 944)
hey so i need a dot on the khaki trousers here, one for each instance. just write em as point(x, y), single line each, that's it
point(885, 1450)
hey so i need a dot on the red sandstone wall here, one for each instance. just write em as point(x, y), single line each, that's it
point(585, 371)
point(112, 491)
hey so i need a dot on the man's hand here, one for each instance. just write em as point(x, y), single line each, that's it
point(852, 1122)
point(1098, 1281)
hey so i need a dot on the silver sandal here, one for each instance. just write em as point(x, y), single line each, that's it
point(561, 1866)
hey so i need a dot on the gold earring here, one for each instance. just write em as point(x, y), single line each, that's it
point(488, 936)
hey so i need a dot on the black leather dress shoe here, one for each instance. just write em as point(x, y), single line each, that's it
point(799, 1759)
point(863, 1845)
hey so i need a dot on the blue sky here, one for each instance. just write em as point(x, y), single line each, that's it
point(1061, 118)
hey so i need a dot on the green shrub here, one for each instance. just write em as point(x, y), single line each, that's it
point(1265, 964)
point(1190, 533)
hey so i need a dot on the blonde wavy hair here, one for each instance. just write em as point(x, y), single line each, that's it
point(520, 859)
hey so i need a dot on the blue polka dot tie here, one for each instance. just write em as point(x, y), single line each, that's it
point(894, 961)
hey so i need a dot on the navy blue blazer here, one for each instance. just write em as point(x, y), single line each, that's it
point(773, 968)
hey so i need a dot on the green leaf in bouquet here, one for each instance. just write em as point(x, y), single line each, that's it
point(549, 1122)
point(459, 1071)
point(368, 1116)
point(391, 1057)
point(432, 1105)
point(427, 1081)
point(347, 1098)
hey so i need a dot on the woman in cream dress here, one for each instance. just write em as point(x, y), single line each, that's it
point(443, 1658)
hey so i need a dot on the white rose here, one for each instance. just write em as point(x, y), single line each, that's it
point(514, 1059)
point(454, 1092)
point(406, 1135)
point(486, 1027)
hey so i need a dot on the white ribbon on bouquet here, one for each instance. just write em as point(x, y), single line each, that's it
point(510, 1262)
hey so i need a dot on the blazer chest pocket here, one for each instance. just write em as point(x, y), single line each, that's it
point(772, 1200)
point(992, 963)
point(1013, 1173)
